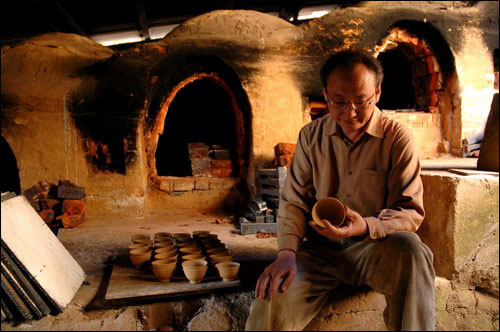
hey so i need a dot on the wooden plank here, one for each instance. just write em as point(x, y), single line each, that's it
point(471, 172)
point(39, 251)
point(128, 282)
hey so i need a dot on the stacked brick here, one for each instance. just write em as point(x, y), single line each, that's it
point(283, 154)
point(210, 161)
point(59, 206)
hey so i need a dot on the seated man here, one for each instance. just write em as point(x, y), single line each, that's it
point(370, 163)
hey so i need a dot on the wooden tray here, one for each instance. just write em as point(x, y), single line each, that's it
point(129, 282)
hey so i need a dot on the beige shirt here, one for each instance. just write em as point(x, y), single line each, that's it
point(378, 176)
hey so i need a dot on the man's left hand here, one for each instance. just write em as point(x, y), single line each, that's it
point(354, 225)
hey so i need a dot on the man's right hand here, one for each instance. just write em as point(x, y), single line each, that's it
point(283, 269)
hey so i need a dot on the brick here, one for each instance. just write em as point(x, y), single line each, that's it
point(283, 160)
point(219, 154)
point(201, 184)
point(49, 203)
point(38, 191)
point(284, 149)
point(73, 207)
point(35, 203)
point(432, 64)
point(225, 163)
point(183, 185)
point(47, 215)
point(221, 172)
point(200, 166)
point(166, 185)
point(198, 153)
point(224, 184)
point(70, 192)
point(70, 221)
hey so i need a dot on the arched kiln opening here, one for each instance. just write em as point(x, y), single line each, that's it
point(200, 132)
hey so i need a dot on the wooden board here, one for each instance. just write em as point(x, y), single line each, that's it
point(129, 282)
point(39, 251)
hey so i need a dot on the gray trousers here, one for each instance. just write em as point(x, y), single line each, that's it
point(398, 266)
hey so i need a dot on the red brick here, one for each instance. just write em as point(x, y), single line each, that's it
point(221, 172)
point(284, 148)
point(73, 206)
point(70, 221)
point(284, 160)
point(223, 163)
point(47, 215)
point(49, 203)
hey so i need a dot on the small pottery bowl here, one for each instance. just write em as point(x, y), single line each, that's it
point(328, 208)
point(137, 246)
point(166, 255)
point(142, 240)
point(181, 235)
point(165, 250)
point(162, 234)
point(164, 245)
point(167, 263)
point(163, 269)
point(195, 270)
point(190, 250)
point(193, 256)
point(186, 244)
point(140, 236)
point(219, 258)
point(228, 270)
point(201, 234)
point(140, 256)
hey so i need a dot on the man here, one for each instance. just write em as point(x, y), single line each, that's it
point(370, 163)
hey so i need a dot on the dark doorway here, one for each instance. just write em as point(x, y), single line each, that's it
point(201, 112)
point(398, 91)
point(10, 173)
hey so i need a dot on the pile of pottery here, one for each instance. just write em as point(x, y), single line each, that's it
point(196, 252)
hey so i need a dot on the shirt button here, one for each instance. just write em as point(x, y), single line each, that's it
point(350, 172)
point(348, 195)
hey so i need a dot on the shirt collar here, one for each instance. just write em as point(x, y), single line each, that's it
point(373, 128)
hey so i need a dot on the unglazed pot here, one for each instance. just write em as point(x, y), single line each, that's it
point(195, 270)
point(163, 269)
point(140, 256)
point(228, 270)
point(331, 209)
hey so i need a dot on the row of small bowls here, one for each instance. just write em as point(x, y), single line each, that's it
point(194, 264)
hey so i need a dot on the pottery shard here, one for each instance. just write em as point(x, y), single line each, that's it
point(281, 149)
point(47, 215)
point(283, 160)
point(70, 221)
point(73, 207)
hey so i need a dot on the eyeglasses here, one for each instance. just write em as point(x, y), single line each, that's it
point(359, 105)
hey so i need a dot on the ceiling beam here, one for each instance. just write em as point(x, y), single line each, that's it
point(141, 14)
point(70, 20)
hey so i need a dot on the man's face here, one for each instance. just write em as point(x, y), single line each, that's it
point(357, 87)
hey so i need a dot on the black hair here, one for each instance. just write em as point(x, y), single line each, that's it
point(348, 59)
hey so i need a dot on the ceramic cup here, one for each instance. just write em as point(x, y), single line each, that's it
point(163, 269)
point(331, 209)
point(219, 258)
point(189, 250)
point(228, 270)
point(201, 234)
point(195, 270)
point(162, 234)
point(164, 245)
point(192, 256)
point(138, 245)
point(186, 244)
point(165, 250)
point(140, 256)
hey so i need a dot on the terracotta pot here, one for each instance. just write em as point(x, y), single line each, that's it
point(164, 245)
point(162, 235)
point(186, 244)
point(165, 250)
point(190, 251)
point(195, 270)
point(201, 234)
point(331, 209)
point(228, 270)
point(166, 255)
point(138, 245)
point(213, 244)
point(219, 258)
point(140, 256)
point(163, 269)
point(193, 256)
